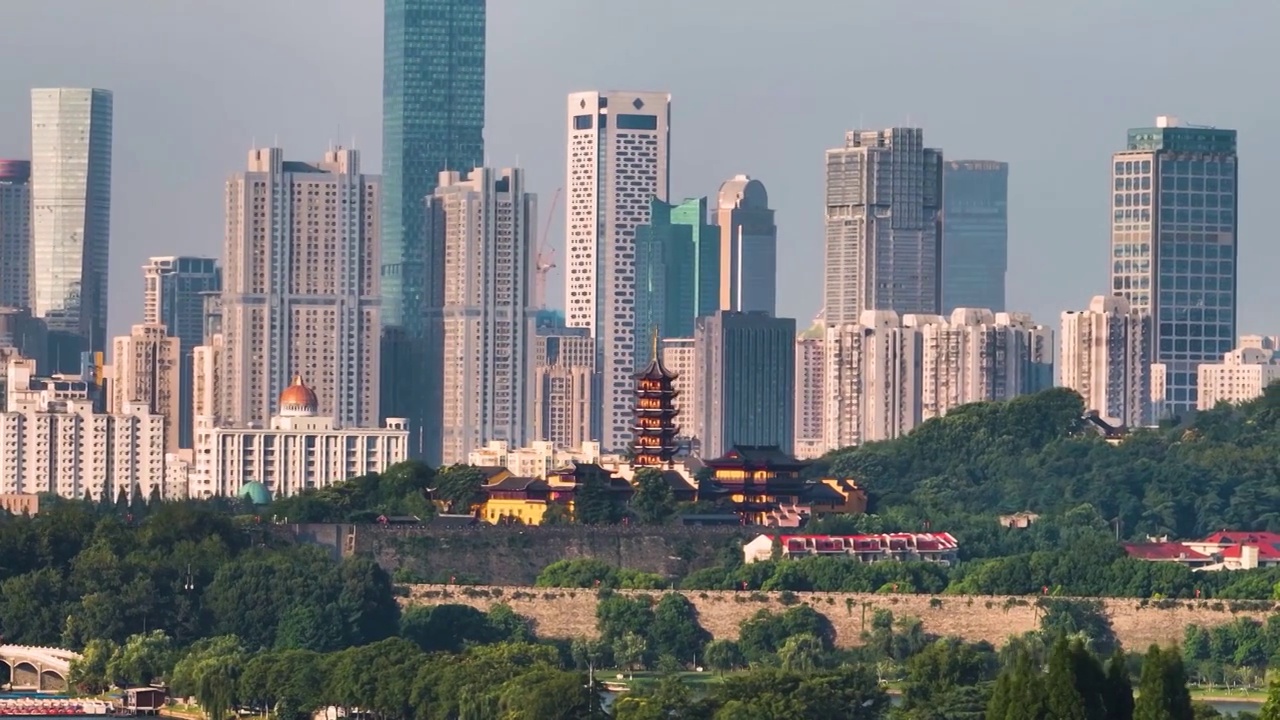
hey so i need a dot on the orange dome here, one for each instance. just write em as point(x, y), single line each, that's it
point(298, 396)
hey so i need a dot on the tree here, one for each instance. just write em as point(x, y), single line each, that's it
point(367, 601)
point(723, 656)
point(1062, 700)
point(595, 502)
point(801, 653)
point(143, 659)
point(630, 651)
point(308, 627)
point(675, 630)
point(1271, 708)
point(458, 486)
point(653, 502)
point(1118, 696)
point(210, 671)
point(1162, 688)
point(577, 573)
point(669, 698)
point(448, 628)
point(89, 671)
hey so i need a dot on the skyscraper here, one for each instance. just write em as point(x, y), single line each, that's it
point(1173, 245)
point(300, 287)
point(666, 267)
point(432, 121)
point(746, 363)
point(71, 219)
point(1106, 357)
point(174, 292)
point(485, 227)
point(810, 393)
point(883, 225)
point(563, 385)
point(145, 366)
point(617, 163)
point(748, 247)
point(975, 234)
point(15, 233)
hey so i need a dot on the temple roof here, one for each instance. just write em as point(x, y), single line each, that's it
point(756, 456)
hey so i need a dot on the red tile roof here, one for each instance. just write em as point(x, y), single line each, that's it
point(1163, 551)
point(875, 543)
point(1228, 537)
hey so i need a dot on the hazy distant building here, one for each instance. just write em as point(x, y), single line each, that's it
point(433, 93)
point(1173, 245)
point(618, 146)
point(748, 247)
point(675, 269)
point(1243, 375)
point(810, 394)
point(300, 287)
point(71, 219)
point(23, 334)
point(679, 355)
point(485, 225)
point(174, 295)
point(146, 366)
point(975, 234)
point(883, 225)
point(746, 374)
point(15, 233)
point(563, 385)
point(1262, 342)
point(1105, 356)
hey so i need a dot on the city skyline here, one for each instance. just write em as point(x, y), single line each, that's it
point(1052, 181)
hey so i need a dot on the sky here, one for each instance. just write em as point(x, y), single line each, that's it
point(759, 87)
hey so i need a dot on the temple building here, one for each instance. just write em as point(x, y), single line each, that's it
point(766, 486)
point(524, 500)
point(655, 428)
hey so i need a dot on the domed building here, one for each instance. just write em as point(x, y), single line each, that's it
point(300, 449)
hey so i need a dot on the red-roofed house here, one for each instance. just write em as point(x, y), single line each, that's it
point(901, 547)
point(1222, 550)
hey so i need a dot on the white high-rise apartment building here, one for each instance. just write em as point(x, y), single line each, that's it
point(146, 367)
point(1106, 357)
point(680, 357)
point(71, 219)
point(883, 225)
point(811, 361)
point(300, 287)
point(485, 226)
point(618, 146)
point(889, 373)
point(1243, 375)
point(54, 442)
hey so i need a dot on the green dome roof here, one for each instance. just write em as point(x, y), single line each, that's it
point(256, 493)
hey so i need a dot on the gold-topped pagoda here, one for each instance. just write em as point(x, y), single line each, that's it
point(655, 428)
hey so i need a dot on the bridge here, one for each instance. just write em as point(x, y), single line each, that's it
point(39, 669)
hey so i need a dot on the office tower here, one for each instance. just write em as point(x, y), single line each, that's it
point(1106, 357)
point(432, 121)
point(1173, 245)
point(71, 219)
point(617, 164)
point(975, 234)
point(888, 373)
point(57, 442)
point(1243, 375)
point(679, 355)
point(300, 287)
point(146, 366)
point(811, 362)
point(175, 292)
point(705, 236)
point(563, 383)
point(15, 233)
point(748, 247)
point(676, 261)
point(484, 226)
point(21, 332)
point(746, 365)
point(883, 225)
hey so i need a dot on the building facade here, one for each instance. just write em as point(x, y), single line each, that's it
point(300, 286)
point(748, 247)
point(889, 373)
point(666, 282)
point(174, 295)
point(15, 233)
point(300, 449)
point(146, 368)
point(681, 357)
point(810, 394)
point(564, 385)
point(486, 227)
point(1105, 355)
point(617, 163)
point(433, 84)
point(1173, 245)
point(746, 368)
point(975, 234)
point(883, 225)
point(71, 218)
point(1243, 375)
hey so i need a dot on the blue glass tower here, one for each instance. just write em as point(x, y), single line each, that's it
point(432, 120)
point(1173, 247)
point(975, 234)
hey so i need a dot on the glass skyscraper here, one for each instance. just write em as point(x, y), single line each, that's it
point(432, 121)
point(1173, 247)
point(70, 219)
point(975, 234)
point(676, 269)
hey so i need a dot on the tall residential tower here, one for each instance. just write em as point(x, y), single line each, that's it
point(71, 219)
point(15, 233)
point(174, 295)
point(617, 164)
point(975, 234)
point(432, 121)
point(1173, 245)
point(748, 247)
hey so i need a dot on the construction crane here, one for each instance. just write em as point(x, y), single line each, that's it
point(545, 259)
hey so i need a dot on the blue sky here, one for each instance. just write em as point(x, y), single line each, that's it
point(758, 86)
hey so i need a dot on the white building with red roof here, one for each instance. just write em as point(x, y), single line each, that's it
point(1224, 550)
point(900, 547)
